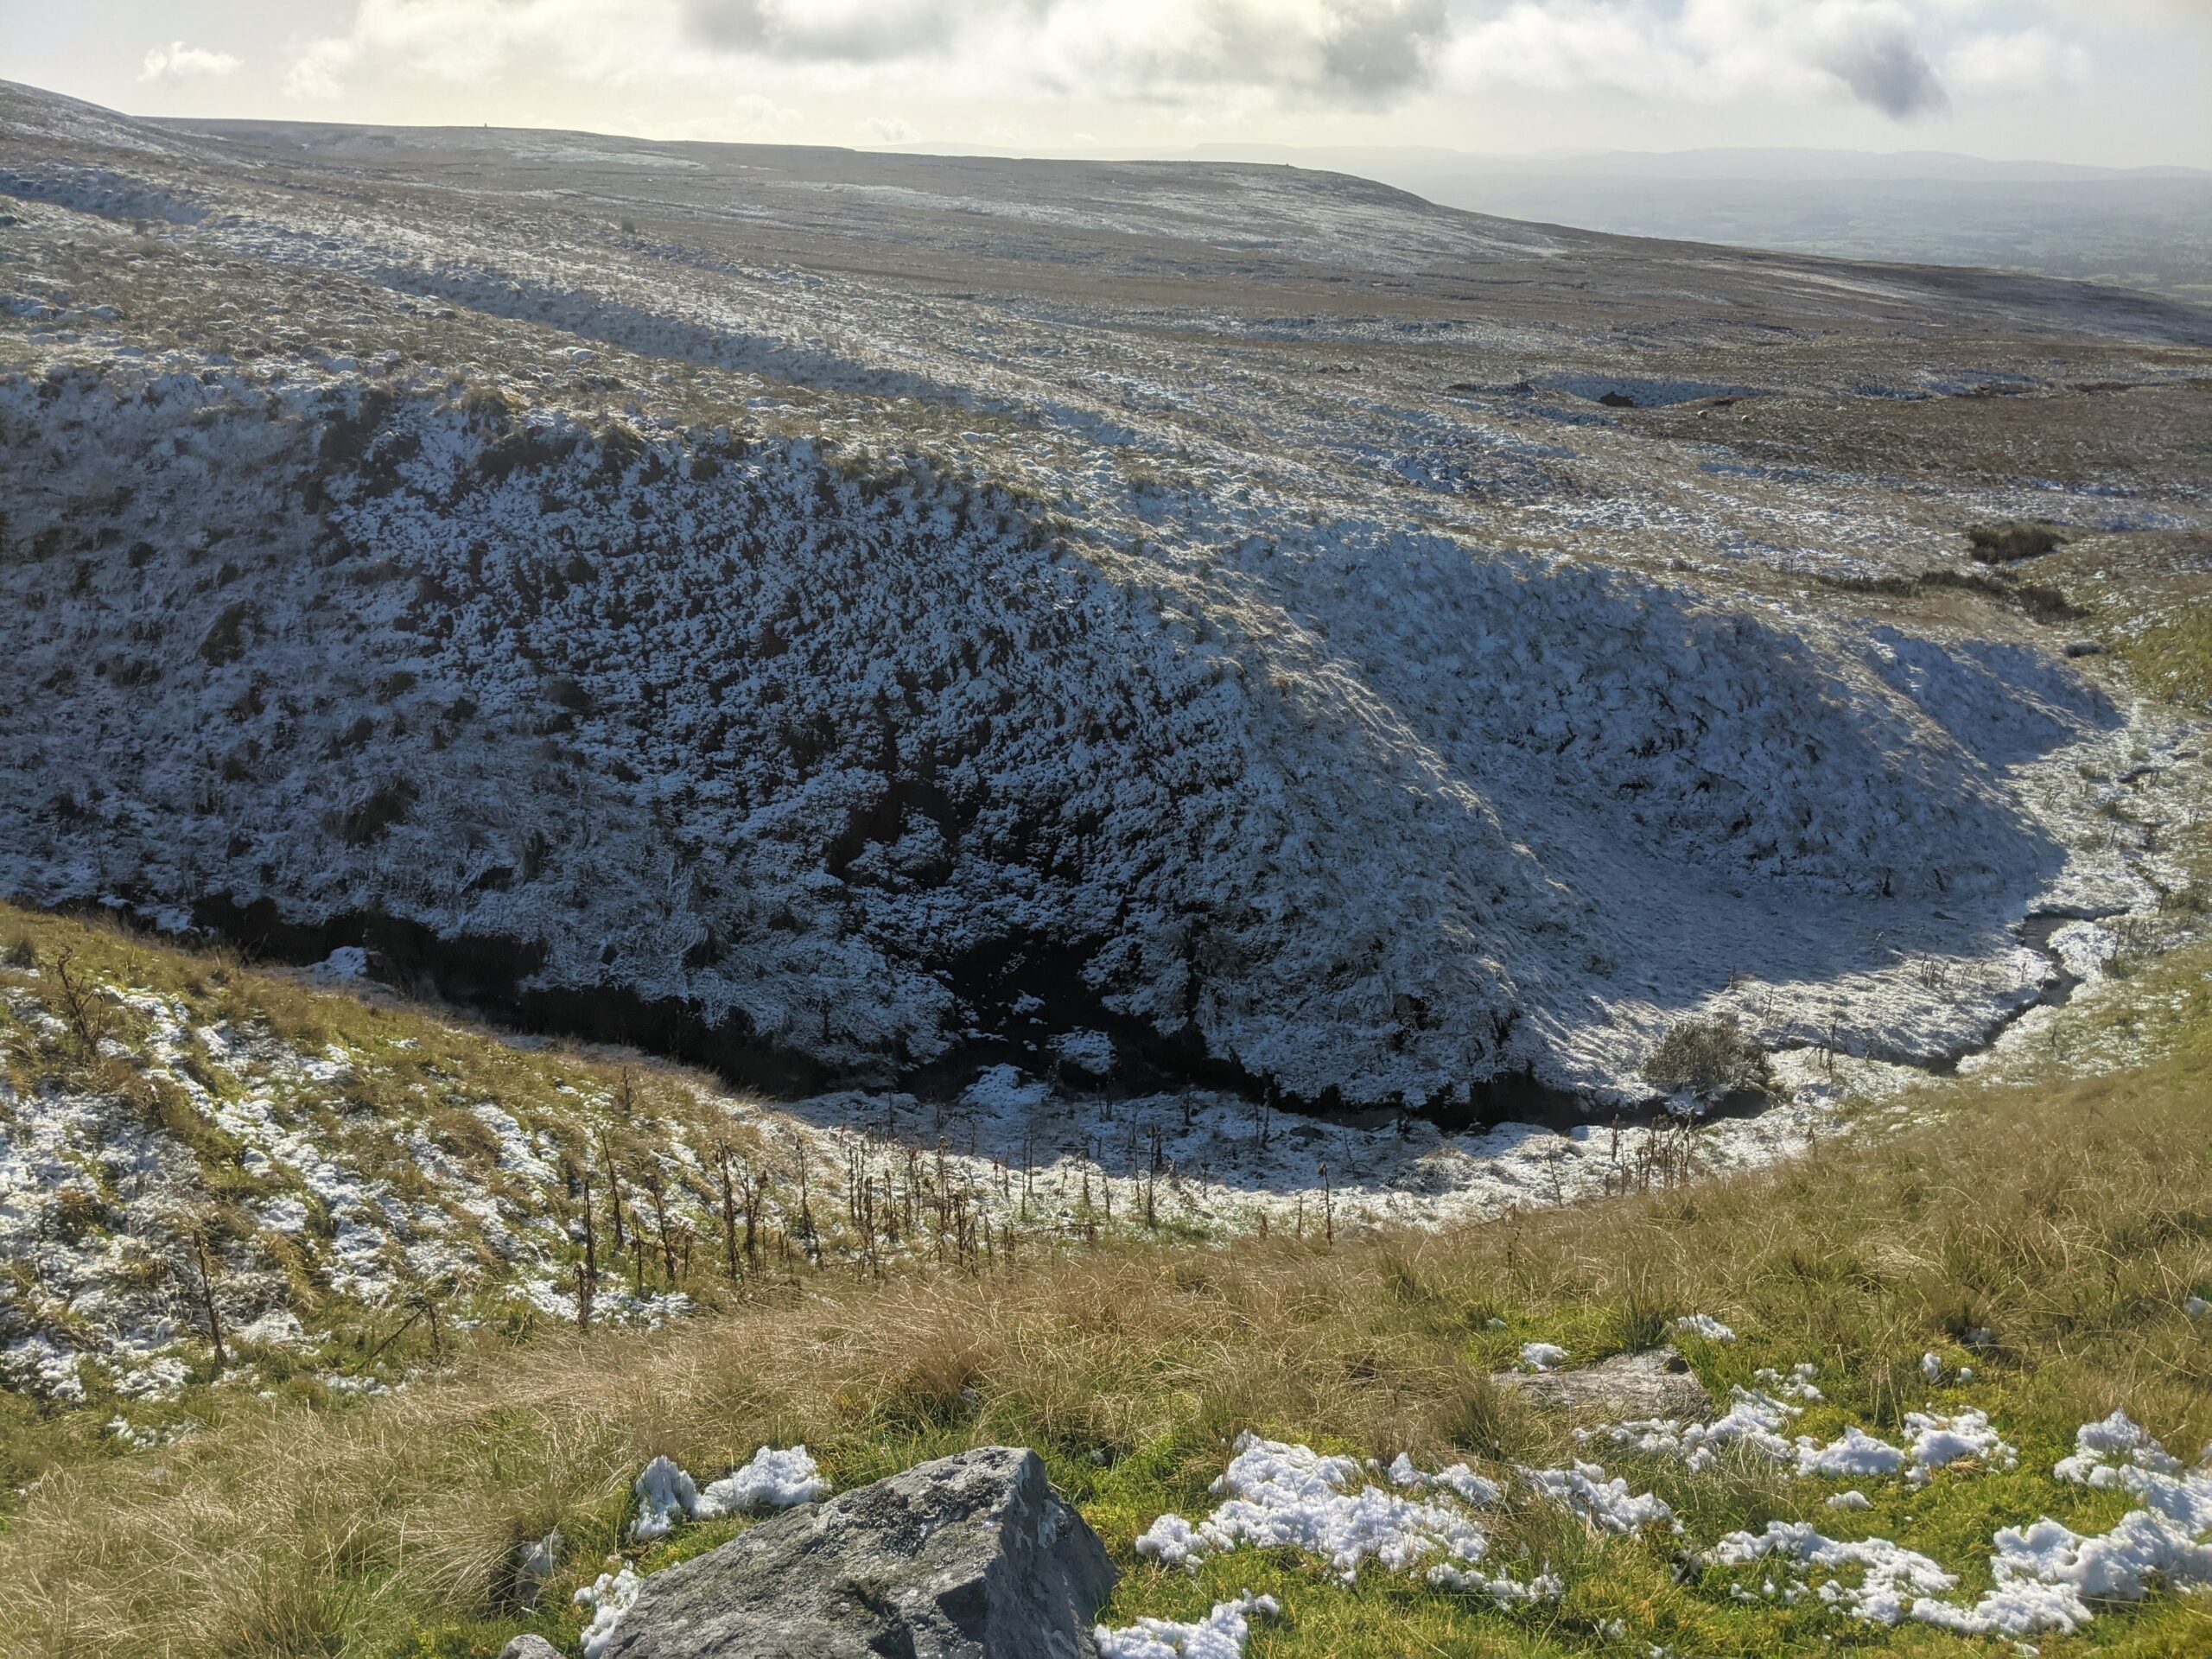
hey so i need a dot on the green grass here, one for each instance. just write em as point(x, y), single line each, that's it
point(2071, 1219)
point(2173, 658)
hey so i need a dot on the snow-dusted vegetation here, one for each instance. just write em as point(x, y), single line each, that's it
point(868, 683)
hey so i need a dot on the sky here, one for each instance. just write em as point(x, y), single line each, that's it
point(2108, 82)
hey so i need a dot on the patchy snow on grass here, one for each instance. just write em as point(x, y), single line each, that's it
point(1278, 1495)
point(1889, 1577)
point(1705, 1325)
point(1798, 1385)
point(1461, 1481)
point(1542, 1355)
point(609, 1596)
point(1608, 1505)
point(1220, 1635)
point(1754, 1420)
point(2045, 1576)
point(346, 961)
point(772, 1479)
point(1283, 1497)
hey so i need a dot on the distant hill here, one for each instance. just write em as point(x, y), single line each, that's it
point(2143, 227)
point(1736, 162)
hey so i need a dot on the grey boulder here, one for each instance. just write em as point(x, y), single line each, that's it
point(1657, 1384)
point(530, 1646)
point(970, 1557)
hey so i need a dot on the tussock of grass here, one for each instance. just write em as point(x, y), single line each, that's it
point(2002, 543)
point(2070, 1222)
point(1710, 1058)
point(2173, 658)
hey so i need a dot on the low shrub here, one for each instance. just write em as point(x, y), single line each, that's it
point(1710, 1059)
point(2002, 543)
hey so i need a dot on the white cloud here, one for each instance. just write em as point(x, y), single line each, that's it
point(1339, 53)
point(1220, 57)
point(315, 72)
point(1706, 51)
point(2025, 64)
point(886, 129)
point(177, 61)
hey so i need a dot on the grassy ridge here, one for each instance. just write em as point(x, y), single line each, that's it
point(2070, 1220)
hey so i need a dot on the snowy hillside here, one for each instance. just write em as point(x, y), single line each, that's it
point(193, 1151)
point(863, 620)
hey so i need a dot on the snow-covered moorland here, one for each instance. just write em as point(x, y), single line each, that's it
point(815, 626)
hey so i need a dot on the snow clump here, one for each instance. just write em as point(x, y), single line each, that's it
point(1220, 1635)
point(1542, 1355)
point(773, 1480)
point(1704, 1325)
point(609, 1597)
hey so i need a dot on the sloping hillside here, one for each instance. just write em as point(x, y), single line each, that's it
point(1921, 1339)
point(215, 1176)
point(869, 633)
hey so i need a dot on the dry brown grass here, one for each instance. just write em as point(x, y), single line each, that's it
point(2072, 1222)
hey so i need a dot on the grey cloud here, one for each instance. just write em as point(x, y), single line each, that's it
point(1373, 52)
point(1883, 67)
point(885, 33)
point(1363, 51)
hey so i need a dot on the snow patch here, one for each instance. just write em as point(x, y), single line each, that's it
point(1705, 1325)
point(609, 1596)
point(772, 1480)
point(1220, 1635)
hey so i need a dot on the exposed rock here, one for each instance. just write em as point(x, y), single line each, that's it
point(970, 1557)
point(1658, 1384)
point(530, 1646)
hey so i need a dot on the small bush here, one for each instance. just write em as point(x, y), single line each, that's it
point(226, 640)
point(568, 693)
point(375, 815)
point(2002, 543)
point(1709, 1059)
